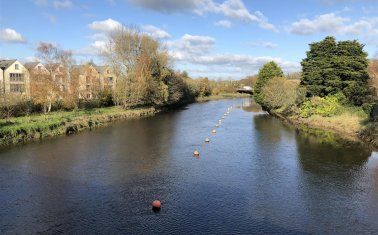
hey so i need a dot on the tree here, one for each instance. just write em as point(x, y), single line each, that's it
point(142, 68)
point(51, 86)
point(268, 71)
point(373, 81)
point(331, 67)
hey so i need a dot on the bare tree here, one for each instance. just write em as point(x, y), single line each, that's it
point(47, 88)
point(137, 60)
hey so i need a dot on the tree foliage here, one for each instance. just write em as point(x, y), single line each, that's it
point(268, 71)
point(331, 67)
point(279, 93)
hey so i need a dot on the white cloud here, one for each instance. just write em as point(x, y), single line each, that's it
point(156, 32)
point(30, 59)
point(331, 23)
point(96, 48)
point(11, 36)
point(105, 26)
point(232, 9)
point(194, 50)
point(191, 45)
point(62, 4)
point(224, 23)
point(322, 23)
point(265, 44)
point(365, 28)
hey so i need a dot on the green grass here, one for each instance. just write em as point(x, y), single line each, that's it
point(37, 126)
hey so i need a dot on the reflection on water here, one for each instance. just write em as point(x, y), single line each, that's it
point(256, 175)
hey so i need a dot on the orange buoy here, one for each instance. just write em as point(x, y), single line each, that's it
point(207, 140)
point(156, 204)
point(196, 153)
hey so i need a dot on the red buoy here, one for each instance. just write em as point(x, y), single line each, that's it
point(156, 204)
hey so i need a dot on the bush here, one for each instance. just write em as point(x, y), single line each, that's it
point(324, 106)
point(279, 93)
point(268, 71)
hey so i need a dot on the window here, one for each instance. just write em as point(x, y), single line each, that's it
point(16, 67)
point(16, 77)
point(17, 88)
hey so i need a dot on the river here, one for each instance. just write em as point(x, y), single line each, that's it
point(257, 175)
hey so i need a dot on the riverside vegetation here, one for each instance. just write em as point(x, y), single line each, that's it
point(336, 91)
point(146, 84)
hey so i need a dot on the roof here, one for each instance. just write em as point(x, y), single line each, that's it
point(31, 65)
point(6, 63)
point(101, 69)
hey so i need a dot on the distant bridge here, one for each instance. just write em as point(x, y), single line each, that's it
point(245, 89)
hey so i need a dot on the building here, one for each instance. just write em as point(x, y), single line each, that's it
point(36, 68)
point(87, 79)
point(14, 78)
point(107, 77)
point(60, 75)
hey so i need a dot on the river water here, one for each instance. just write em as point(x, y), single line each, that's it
point(257, 175)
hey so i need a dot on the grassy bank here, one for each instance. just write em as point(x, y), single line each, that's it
point(222, 96)
point(350, 125)
point(39, 126)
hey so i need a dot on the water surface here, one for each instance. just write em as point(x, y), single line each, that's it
point(257, 175)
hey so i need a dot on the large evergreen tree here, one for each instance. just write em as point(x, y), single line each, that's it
point(268, 71)
point(331, 67)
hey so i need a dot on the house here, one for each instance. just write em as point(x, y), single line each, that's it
point(107, 77)
point(36, 68)
point(60, 75)
point(15, 78)
point(87, 79)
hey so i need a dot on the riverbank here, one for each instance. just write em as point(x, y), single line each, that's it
point(222, 96)
point(347, 126)
point(40, 126)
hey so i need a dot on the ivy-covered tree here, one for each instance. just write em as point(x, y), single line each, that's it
point(268, 71)
point(331, 67)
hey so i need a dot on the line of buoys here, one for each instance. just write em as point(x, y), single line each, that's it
point(156, 205)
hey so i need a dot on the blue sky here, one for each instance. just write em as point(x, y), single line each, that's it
point(220, 39)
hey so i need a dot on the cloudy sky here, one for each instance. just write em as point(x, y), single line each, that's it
point(214, 38)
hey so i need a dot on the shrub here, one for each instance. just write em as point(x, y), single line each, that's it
point(324, 106)
point(279, 93)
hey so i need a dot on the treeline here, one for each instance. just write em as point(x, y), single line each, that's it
point(337, 80)
point(143, 77)
point(331, 69)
